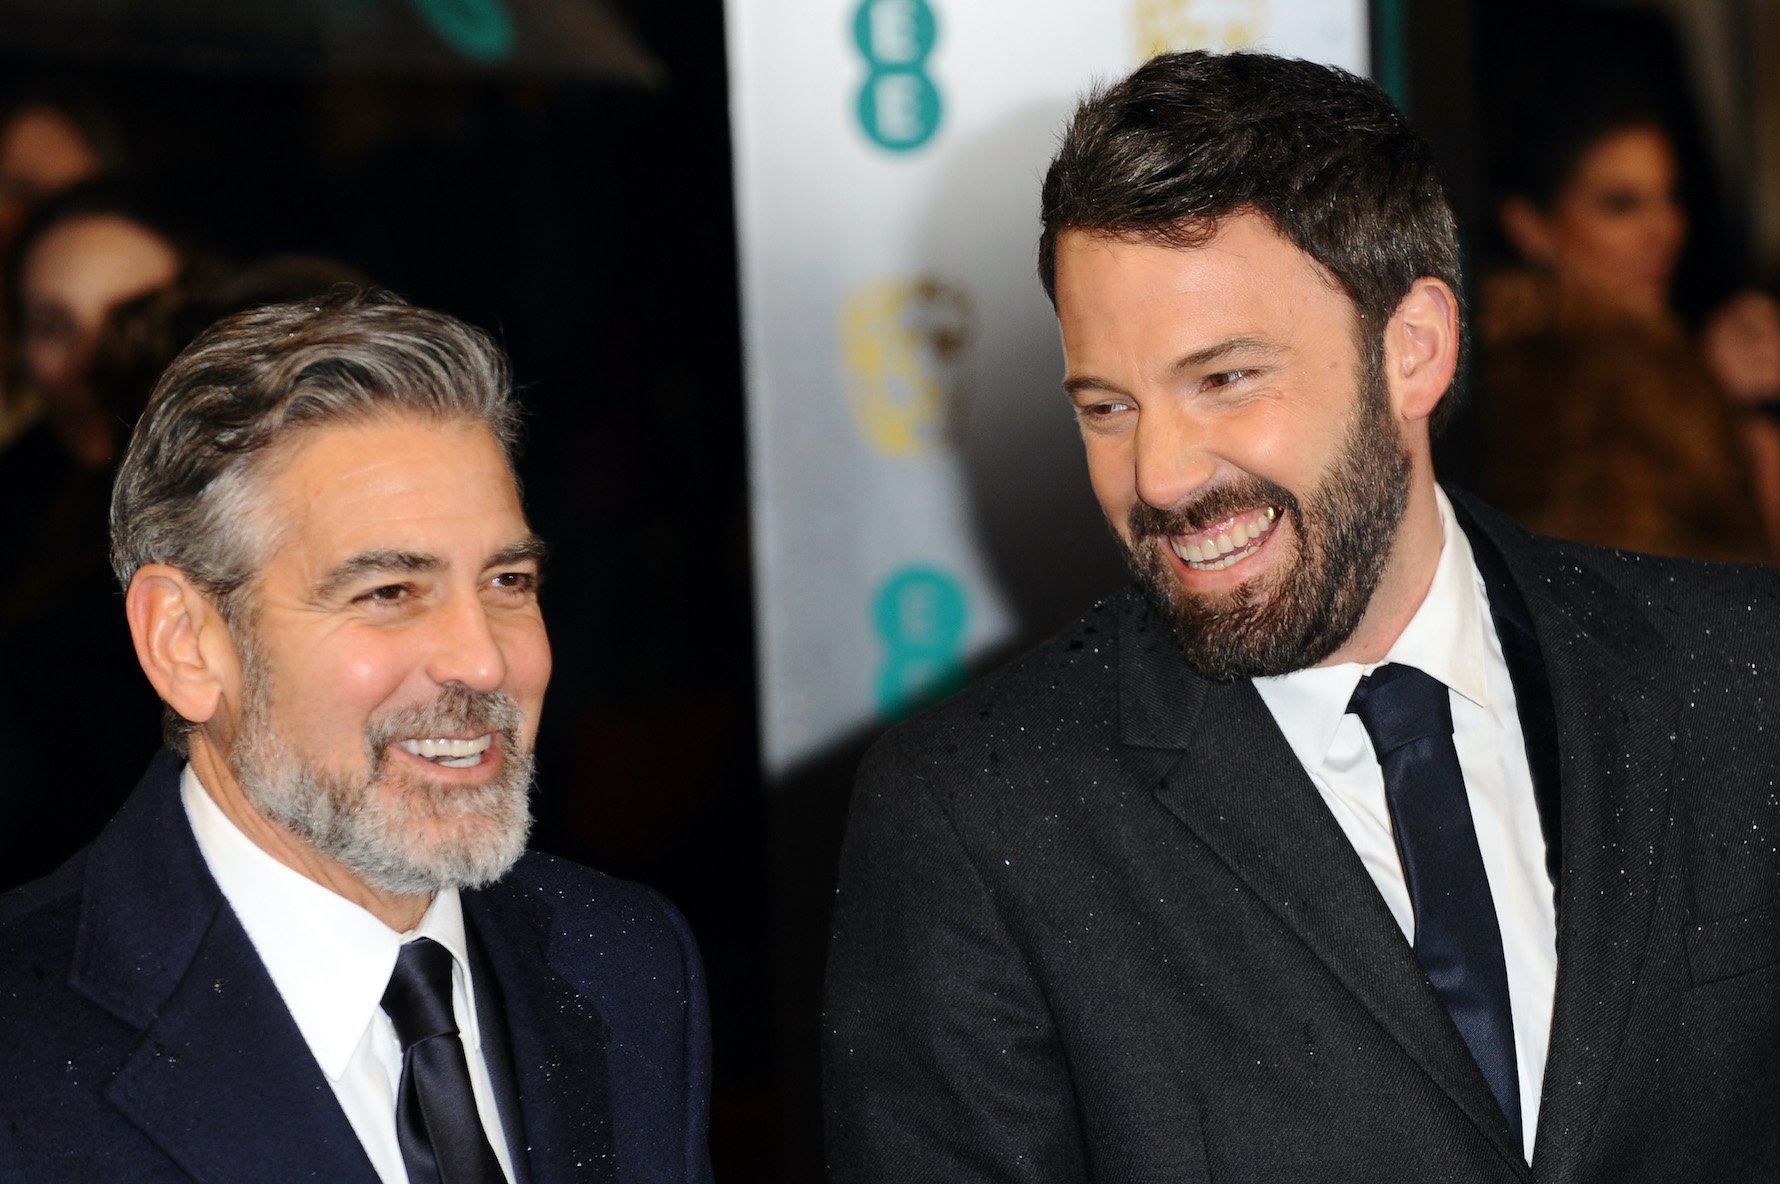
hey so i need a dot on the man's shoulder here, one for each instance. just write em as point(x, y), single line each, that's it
point(38, 923)
point(1676, 599)
point(575, 895)
point(1061, 695)
point(588, 922)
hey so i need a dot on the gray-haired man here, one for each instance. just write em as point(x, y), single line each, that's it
point(311, 945)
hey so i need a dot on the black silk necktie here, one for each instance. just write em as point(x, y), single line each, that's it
point(1458, 942)
point(437, 1122)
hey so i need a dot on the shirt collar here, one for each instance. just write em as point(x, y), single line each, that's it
point(329, 958)
point(1447, 637)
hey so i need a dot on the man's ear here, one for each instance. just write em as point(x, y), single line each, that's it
point(1421, 348)
point(182, 642)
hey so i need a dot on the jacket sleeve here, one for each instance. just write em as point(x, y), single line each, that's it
point(941, 1060)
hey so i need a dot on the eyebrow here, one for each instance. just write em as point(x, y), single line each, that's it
point(1217, 351)
point(356, 567)
point(1260, 347)
point(530, 549)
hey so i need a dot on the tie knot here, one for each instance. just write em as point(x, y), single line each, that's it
point(418, 998)
point(1398, 704)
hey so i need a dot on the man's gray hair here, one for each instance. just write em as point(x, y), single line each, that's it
point(186, 492)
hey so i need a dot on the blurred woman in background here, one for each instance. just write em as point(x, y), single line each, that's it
point(87, 260)
point(107, 293)
point(83, 255)
point(1609, 421)
point(51, 139)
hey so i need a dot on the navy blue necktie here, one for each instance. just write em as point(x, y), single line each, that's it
point(437, 1122)
point(1408, 714)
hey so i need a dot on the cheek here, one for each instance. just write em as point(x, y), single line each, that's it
point(346, 693)
point(49, 363)
point(1599, 241)
point(1113, 479)
point(525, 650)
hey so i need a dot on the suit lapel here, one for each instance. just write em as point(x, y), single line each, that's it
point(497, 1054)
point(225, 1084)
point(221, 1080)
point(557, 1037)
point(1251, 802)
point(1615, 722)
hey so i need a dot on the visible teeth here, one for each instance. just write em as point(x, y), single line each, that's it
point(453, 754)
point(1230, 545)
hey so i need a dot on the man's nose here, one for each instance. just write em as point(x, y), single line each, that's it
point(1171, 457)
point(467, 646)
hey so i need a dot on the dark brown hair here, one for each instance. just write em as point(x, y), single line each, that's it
point(1189, 139)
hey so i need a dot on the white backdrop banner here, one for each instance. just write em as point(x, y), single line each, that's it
point(919, 498)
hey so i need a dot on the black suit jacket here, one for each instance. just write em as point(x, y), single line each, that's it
point(145, 1042)
point(1095, 922)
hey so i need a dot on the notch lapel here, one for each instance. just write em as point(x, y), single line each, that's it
point(497, 1055)
point(221, 1079)
point(1262, 816)
point(224, 1083)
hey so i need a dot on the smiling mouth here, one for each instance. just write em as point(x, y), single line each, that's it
point(1228, 543)
point(449, 753)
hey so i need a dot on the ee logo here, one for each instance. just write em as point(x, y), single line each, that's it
point(480, 29)
point(920, 614)
point(899, 106)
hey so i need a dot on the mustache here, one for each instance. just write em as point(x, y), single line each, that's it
point(458, 710)
point(1211, 507)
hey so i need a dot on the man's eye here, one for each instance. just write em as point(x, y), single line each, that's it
point(1226, 377)
point(516, 581)
point(386, 594)
point(1104, 410)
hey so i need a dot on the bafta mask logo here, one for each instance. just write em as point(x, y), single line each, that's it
point(1220, 25)
point(904, 343)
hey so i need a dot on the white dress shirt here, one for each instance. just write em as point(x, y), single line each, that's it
point(1451, 637)
point(331, 960)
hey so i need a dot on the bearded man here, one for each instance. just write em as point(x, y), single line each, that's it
point(312, 945)
point(1368, 838)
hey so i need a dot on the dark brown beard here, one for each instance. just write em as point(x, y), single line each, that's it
point(1343, 537)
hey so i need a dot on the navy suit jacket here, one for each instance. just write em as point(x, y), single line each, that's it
point(144, 1040)
point(1095, 922)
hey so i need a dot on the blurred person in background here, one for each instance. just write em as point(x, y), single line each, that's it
point(80, 256)
point(109, 291)
point(90, 270)
point(1610, 421)
point(51, 138)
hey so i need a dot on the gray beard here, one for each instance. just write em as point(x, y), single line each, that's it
point(399, 832)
